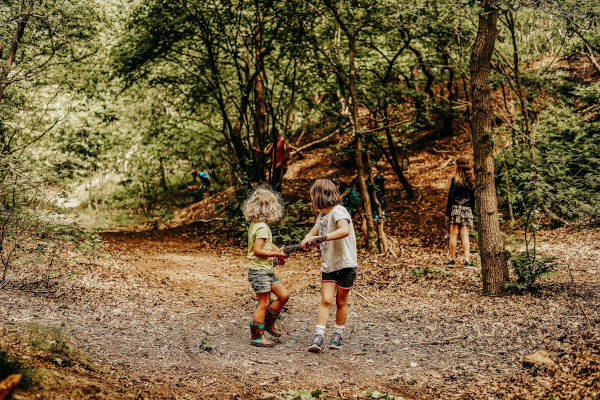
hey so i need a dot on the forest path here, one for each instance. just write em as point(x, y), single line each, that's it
point(144, 313)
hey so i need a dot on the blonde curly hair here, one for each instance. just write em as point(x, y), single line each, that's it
point(263, 205)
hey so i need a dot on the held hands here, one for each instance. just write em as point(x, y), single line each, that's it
point(280, 258)
point(314, 241)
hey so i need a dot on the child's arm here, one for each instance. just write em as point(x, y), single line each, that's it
point(259, 250)
point(310, 235)
point(343, 230)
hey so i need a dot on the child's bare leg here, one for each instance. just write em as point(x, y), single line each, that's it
point(327, 295)
point(261, 308)
point(464, 236)
point(341, 302)
point(453, 239)
point(282, 297)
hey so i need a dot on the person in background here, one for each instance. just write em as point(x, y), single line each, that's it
point(459, 210)
point(206, 182)
point(378, 192)
point(280, 154)
point(349, 198)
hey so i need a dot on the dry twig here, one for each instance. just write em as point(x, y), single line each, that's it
point(445, 340)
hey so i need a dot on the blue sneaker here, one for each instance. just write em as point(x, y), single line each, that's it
point(316, 345)
point(336, 341)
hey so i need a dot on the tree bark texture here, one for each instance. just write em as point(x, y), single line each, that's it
point(362, 178)
point(14, 47)
point(260, 120)
point(393, 156)
point(491, 244)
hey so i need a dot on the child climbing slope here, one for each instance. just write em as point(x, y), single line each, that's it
point(264, 206)
point(338, 260)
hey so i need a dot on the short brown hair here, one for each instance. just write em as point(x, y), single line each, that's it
point(324, 194)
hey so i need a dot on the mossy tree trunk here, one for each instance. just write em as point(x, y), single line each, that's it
point(491, 244)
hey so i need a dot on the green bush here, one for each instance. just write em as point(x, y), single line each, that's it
point(558, 172)
point(9, 366)
point(528, 268)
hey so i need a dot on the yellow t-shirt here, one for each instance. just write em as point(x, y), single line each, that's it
point(259, 230)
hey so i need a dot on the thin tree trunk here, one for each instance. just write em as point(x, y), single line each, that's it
point(516, 60)
point(163, 177)
point(14, 47)
point(143, 196)
point(90, 197)
point(508, 195)
point(381, 240)
point(362, 179)
point(260, 122)
point(493, 259)
point(393, 159)
point(590, 55)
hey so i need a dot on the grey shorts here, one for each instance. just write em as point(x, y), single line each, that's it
point(262, 280)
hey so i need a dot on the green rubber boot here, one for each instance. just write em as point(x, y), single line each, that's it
point(257, 338)
point(270, 319)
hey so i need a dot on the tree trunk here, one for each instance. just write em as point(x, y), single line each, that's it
point(491, 245)
point(381, 240)
point(516, 61)
point(393, 159)
point(260, 120)
point(14, 47)
point(362, 179)
point(508, 196)
point(163, 176)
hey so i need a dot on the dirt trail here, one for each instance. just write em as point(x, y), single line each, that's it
point(144, 312)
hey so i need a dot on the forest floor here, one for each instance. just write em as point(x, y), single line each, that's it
point(164, 315)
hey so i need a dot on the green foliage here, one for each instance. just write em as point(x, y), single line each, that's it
point(529, 267)
point(50, 339)
point(557, 174)
point(206, 346)
point(374, 394)
point(9, 366)
point(54, 342)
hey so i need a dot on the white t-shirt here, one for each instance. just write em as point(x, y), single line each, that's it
point(341, 253)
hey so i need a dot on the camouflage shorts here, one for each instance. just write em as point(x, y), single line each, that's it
point(262, 280)
point(461, 215)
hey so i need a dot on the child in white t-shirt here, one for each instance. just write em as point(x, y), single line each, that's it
point(338, 259)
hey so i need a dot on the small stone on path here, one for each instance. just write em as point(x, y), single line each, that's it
point(538, 358)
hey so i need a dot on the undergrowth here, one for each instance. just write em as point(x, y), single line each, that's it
point(529, 267)
point(54, 341)
point(10, 365)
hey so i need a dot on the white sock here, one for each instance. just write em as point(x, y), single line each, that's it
point(338, 328)
point(320, 330)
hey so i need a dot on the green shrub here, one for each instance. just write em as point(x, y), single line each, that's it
point(207, 346)
point(528, 268)
point(374, 394)
point(558, 173)
point(10, 366)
